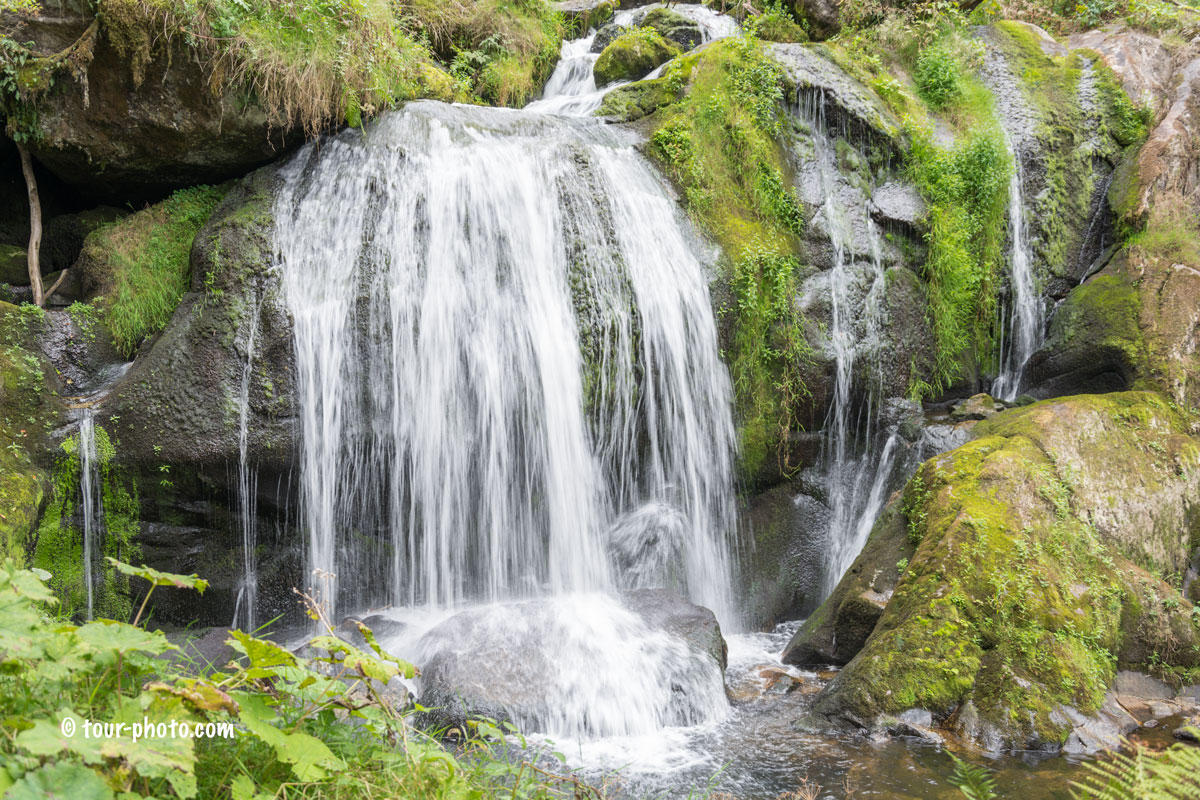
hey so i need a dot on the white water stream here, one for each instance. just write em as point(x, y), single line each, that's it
point(91, 505)
point(1023, 329)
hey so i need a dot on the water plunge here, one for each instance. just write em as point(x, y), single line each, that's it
point(91, 505)
point(1023, 331)
point(247, 482)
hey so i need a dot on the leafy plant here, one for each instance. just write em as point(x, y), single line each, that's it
point(975, 782)
point(1172, 774)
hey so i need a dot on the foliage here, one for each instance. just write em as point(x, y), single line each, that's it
point(142, 263)
point(966, 189)
point(1172, 774)
point(938, 77)
point(269, 724)
point(975, 782)
point(776, 24)
point(720, 142)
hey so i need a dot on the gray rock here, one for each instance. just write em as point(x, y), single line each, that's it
point(975, 407)
point(822, 16)
point(1138, 684)
point(63, 236)
point(899, 203)
point(672, 26)
point(1102, 731)
point(534, 661)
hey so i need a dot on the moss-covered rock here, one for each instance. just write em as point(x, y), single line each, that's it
point(137, 268)
point(201, 352)
point(633, 55)
point(636, 100)
point(1015, 604)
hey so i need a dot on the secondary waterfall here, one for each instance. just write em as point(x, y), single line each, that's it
point(856, 474)
point(507, 366)
point(1023, 331)
point(91, 506)
point(572, 89)
point(247, 483)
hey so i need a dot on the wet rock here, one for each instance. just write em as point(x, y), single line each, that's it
point(1139, 684)
point(201, 353)
point(783, 572)
point(839, 629)
point(1189, 731)
point(898, 203)
point(636, 100)
point(607, 35)
point(1103, 730)
point(585, 14)
point(975, 407)
point(535, 662)
point(201, 650)
point(633, 55)
point(120, 131)
point(1143, 62)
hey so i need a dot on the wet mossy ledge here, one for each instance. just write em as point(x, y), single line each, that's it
point(1033, 562)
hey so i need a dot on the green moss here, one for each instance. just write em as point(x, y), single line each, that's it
point(142, 263)
point(58, 547)
point(632, 55)
point(1012, 602)
point(636, 100)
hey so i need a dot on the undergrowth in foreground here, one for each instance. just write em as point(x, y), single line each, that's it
point(721, 142)
point(141, 263)
point(318, 726)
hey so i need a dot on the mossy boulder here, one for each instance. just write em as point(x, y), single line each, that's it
point(633, 55)
point(1033, 543)
point(673, 26)
point(822, 18)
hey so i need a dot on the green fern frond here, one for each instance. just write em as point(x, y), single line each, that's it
point(975, 782)
point(1173, 774)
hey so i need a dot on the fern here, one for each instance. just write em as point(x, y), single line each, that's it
point(1173, 774)
point(976, 783)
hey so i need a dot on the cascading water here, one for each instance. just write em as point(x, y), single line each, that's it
point(91, 507)
point(856, 477)
point(1025, 323)
point(247, 484)
point(572, 90)
point(506, 363)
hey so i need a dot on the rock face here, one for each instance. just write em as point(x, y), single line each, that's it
point(821, 16)
point(535, 662)
point(1025, 572)
point(116, 134)
point(633, 55)
point(672, 26)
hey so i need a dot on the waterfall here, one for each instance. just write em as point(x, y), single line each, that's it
point(856, 475)
point(92, 509)
point(508, 374)
point(572, 91)
point(1023, 333)
point(247, 483)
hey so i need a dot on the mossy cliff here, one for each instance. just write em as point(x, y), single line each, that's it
point(1043, 548)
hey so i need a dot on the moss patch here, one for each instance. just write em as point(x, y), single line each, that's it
point(140, 265)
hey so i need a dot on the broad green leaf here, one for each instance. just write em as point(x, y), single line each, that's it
point(47, 739)
point(158, 578)
point(110, 636)
point(260, 652)
point(406, 669)
point(152, 756)
point(308, 756)
point(242, 788)
point(61, 781)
